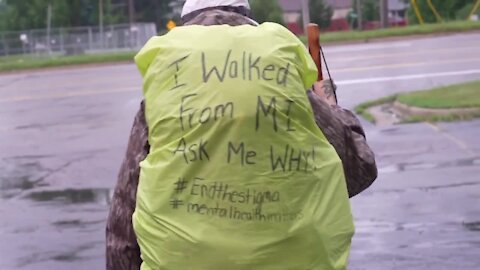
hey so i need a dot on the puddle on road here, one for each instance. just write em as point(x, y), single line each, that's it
point(382, 226)
point(24, 177)
point(454, 236)
point(72, 255)
point(76, 223)
point(402, 167)
point(391, 130)
point(72, 196)
point(466, 184)
point(17, 178)
point(67, 257)
point(472, 226)
point(367, 227)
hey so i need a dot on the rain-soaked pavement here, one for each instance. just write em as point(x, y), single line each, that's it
point(63, 135)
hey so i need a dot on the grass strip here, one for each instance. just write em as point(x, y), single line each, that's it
point(459, 96)
point(31, 62)
point(466, 95)
point(13, 63)
point(426, 29)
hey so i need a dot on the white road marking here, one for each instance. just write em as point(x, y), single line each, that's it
point(68, 94)
point(461, 144)
point(404, 65)
point(408, 77)
point(363, 47)
point(448, 51)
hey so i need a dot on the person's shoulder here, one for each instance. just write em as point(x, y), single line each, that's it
point(273, 27)
point(279, 31)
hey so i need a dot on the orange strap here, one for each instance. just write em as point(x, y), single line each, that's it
point(313, 32)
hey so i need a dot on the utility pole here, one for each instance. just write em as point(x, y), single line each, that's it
point(305, 14)
point(131, 11)
point(100, 21)
point(384, 13)
point(49, 27)
point(359, 15)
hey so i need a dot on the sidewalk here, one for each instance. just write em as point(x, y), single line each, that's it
point(421, 213)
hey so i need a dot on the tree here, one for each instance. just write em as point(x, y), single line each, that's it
point(370, 10)
point(22, 15)
point(32, 14)
point(464, 12)
point(448, 10)
point(3, 13)
point(267, 11)
point(13, 19)
point(158, 11)
point(320, 13)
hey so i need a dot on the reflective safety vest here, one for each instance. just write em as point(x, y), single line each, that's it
point(239, 176)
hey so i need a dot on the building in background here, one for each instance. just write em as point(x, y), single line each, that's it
point(397, 12)
point(293, 14)
point(341, 9)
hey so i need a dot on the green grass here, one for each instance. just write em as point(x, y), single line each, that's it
point(13, 63)
point(450, 27)
point(442, 118)
point(465, 95)
point(29, 62)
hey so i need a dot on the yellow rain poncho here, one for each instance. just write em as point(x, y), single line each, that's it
point(239, 176)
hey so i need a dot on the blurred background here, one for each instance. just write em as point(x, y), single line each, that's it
point(69, 91)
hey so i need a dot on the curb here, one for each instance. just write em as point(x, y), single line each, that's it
point(409, 111)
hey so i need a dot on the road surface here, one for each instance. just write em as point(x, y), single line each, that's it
point(63, 134)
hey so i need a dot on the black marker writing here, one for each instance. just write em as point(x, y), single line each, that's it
point(246, 157)
point(193, 152)
point(291, 159)
point(272, 109)
point(251, 69)
point(176, 65)
point(189, 116)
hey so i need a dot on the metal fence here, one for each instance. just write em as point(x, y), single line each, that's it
point(78, 40)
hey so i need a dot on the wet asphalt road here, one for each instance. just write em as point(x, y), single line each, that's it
point(63, 135)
